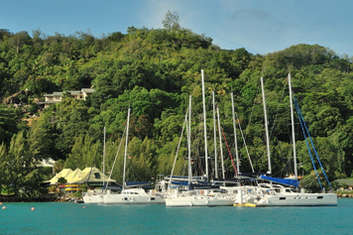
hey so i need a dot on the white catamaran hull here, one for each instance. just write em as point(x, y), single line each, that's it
point(192, 201)
point(132, 199)
point(178, 202)
point(93, 198)
point(186, 201)
point(299, 199)
point(201, 198)
point(220, 202)
point(131, 196)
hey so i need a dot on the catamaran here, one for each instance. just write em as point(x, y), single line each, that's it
point(129, 195)
point(95, 196)
point(278, 195)
point(190, 196)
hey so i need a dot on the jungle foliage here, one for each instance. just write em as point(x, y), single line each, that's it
point(153, 71)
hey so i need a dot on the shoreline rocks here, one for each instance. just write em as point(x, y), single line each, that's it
point(40, 199)
point(345, 195)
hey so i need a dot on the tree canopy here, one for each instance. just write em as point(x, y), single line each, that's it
point(153, 71)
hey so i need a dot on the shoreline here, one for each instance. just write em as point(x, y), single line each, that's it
point(345, 195)
point(7, 199)
point(57, 198)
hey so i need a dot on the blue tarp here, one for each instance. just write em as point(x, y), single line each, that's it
point(290, 182)
point(180, 182)
point(135, 183)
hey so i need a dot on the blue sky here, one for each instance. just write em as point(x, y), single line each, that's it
point(260, 26)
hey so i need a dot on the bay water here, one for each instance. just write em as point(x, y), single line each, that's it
point(69, 218)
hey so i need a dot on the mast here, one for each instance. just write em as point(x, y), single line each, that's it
point(126, 143)
point(204, 121)
point(220, 143)
point(116, 157)
point(235, 134)
point(266, 128)
point(215, 136)
point(189, 144)
point(292, 122)
point(246, 147)
point(103, 163)
point(178, 147)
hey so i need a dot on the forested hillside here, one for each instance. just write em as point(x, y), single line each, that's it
point(154, 71)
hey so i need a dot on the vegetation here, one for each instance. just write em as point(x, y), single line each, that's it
point(153, 71)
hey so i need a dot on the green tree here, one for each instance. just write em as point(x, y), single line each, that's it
point(9, 120)
point(171, 21)
point(141, 160)
point(85, 153)
point(42, 137)
point(19, 172)
point(70, 121)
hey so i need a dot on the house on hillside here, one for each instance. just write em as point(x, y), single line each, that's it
point(56, 97)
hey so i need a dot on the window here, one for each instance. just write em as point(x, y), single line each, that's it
point(282, 198)
point(97, 175)
point(320, 197)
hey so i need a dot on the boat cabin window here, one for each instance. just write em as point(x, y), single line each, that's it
point(288, 190)
point(131, 193)
point(97, 175)
point(282, 198)
point(320, 197)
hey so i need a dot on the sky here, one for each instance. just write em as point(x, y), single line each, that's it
point(260, 26)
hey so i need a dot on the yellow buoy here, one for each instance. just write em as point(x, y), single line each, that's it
point(244, 205)
point(33, 209)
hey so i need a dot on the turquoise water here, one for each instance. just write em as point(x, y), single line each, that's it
point(67, 218)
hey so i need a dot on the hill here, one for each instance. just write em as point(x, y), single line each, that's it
point(154, 71)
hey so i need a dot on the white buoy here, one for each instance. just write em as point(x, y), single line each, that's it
point(3, 208)
point(33, 209)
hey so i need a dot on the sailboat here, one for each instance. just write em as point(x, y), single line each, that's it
point(278, 195)
point(197, 197)
point(243, 192)
point(187, 197)
point(97, 196)
point(129, 195)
